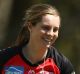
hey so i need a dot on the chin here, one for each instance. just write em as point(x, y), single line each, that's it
point(47, 46)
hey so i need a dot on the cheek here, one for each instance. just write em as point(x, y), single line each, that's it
point(42, 31)
point(40, 34)
point(55, 36)
point(54, 39)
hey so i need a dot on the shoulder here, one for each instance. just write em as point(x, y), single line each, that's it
point(7, 53)
point(62, 62)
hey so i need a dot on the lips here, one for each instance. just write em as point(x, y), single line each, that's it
point(47, 40)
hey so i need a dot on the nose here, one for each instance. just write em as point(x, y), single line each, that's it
point(50, 33)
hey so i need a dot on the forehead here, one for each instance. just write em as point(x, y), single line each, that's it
point(53, 20)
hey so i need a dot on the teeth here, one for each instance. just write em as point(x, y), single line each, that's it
point(48, 40)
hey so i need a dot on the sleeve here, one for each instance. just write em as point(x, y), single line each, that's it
point(5, 54)
point(66, 66)
point(63, 63)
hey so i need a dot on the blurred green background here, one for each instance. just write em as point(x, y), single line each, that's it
point(12, 12)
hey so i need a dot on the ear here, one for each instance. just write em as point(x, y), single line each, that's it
point(30, 26)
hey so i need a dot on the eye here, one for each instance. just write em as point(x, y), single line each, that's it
point(47, 28)
point(55, 29)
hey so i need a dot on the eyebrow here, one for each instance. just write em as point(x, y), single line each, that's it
point(50, 25)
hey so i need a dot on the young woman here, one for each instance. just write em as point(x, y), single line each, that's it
point(34, 52)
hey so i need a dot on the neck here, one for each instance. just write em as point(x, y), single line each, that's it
point(34, 53)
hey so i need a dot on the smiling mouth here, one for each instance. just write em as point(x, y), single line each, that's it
point(47, 40)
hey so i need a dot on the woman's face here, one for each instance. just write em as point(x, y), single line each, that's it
point(45, 32)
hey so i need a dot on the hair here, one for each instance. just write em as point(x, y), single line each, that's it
point(34, 15)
